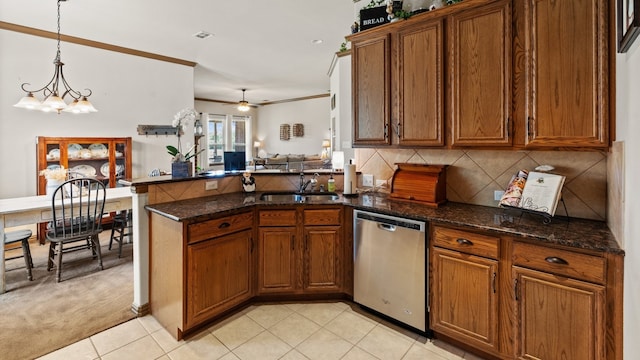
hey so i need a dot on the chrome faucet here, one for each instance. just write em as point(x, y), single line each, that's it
point(303, 184)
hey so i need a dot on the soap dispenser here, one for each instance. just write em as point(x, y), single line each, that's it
point(331, 184)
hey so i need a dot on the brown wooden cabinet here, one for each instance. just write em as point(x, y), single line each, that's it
point(302, 256)
point(518, 74)
point(106, 159)
point(560, 303)
point(371, 90)
point(464, 287)
point(417, 80)
point(479, 75)
point(277, 249)
point(566, 58)
point(323, 250)
point(199, 270)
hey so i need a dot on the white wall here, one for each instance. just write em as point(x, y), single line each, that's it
point(127, 91)
point(340, 76)
point(314, 114)
point(628, 131)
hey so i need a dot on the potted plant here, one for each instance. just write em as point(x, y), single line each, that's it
point(180, 164)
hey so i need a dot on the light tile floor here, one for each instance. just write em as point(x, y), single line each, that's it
point(335, 330)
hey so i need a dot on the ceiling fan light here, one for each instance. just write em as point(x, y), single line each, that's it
point(28, 102)
point(243, 106)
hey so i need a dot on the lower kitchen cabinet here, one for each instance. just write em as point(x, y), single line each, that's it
point(560, 303)
point(464, 296)
point(277, 250)
point(300, 251)
point(559, 318)
point(322, 250)
point(276, 259)
point(507, 298)
point(199, 270)
point(218, 275)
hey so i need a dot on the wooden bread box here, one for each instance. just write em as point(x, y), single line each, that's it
point(426, 184)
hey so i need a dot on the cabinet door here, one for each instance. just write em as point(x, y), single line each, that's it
point(419, 85)
point(558, 318)
point(370, 67)
point(322, 255)
point(567, 62)
point(218, 275)
point(463, 298)
point(277, 259)
point(480, 83)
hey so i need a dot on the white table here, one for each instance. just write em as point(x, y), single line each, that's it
point(37, 209)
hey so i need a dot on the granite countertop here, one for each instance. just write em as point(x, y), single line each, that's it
point(573, 232)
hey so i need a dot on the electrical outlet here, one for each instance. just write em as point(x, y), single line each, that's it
point(497, 195)
point(211, 185)
point(381, 183)
point(367, 180)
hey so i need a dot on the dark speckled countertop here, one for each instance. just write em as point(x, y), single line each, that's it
point(577, 233)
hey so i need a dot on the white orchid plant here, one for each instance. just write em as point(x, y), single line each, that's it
point(180, 120)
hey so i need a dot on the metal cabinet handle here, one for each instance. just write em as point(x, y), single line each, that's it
point(556, 260)
point(463, 241)
point(293, 242)
point(224, 225)
point(493, 282)
point(398, 130)
point(515, 288)
point(386, 131)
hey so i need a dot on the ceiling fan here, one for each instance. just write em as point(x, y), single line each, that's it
point(243, 105)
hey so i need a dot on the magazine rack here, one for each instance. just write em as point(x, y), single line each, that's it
point(546, 218)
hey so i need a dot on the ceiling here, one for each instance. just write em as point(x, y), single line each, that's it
point(264, 46)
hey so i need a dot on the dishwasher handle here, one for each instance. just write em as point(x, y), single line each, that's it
point(387, 227)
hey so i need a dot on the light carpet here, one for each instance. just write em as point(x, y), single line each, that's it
point(42, 315)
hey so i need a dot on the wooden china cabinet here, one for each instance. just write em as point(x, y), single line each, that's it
point(104, 158)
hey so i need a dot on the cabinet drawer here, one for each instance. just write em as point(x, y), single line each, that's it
point(322, 217)
point(561, 262)
point(217, 227)
point(277, 218)
point(466, 242)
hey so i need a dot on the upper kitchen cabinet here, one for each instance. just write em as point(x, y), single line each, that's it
point(479, 83)
point(418, 84)
point(370, 84)
point(397, 84)
point(565, 74)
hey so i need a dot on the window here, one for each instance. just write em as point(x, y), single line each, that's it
point(226, 133)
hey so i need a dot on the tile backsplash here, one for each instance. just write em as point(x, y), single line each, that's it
point(474, 175)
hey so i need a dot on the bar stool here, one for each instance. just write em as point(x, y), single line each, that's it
point(120, 228)
point(21, 236)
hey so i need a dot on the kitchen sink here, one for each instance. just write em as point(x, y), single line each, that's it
point(321, 197)
point(299, 197)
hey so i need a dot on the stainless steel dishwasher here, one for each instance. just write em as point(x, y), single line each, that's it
point(390, 267)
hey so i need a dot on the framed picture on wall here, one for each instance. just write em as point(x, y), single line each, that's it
point(628, 23)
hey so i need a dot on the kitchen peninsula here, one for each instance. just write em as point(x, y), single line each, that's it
point(514, 260)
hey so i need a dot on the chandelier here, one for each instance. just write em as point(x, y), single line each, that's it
point(55, 91)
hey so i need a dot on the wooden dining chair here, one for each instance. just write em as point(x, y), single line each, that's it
point(22, 237)
point(77, 206)
point(121, 227)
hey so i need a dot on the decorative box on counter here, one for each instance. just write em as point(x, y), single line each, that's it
point(426, 184)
